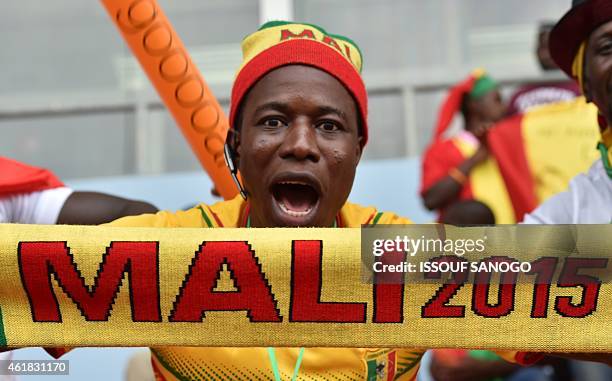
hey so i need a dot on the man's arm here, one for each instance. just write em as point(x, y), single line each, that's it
point(446, 190)
point(92, 208)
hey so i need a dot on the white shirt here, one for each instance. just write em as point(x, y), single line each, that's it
point(588, 200)
point(41, 207)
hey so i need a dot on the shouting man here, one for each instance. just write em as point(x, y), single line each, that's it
point(298, 122)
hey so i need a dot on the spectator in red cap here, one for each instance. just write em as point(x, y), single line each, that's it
point(581, 44)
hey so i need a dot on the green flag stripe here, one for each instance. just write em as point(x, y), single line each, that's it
point(2, 335)
point(206, 219)
point(170, 369)
point(378, 215)
point(371, 370)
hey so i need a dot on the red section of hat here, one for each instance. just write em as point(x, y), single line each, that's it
point(302, 52)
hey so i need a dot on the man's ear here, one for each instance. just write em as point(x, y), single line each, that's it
point(236, 148)
point(359, 148)
point(586, 89)
point(233, 144)
point(473, 106)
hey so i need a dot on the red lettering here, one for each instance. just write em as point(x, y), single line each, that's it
point(347, 52)
point(389, 290)
point(544, 269)
point(38, 260)
point(438, 306)
point(505, 294)
point(306, 284)
point(568, 306)
point(287, 34)
point(331, 42)
point(388, 303)
point(197, 295)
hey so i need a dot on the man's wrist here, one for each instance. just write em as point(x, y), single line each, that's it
point(458, 175)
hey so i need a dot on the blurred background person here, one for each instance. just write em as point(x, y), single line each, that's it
point(482, 365)
point(470, 212)
point(544, 91)
point(448, 162)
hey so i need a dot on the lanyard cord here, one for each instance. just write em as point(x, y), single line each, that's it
point(603, 150)
point(274, 363)
point(271, 352)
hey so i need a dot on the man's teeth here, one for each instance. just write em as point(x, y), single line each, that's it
point(293, 212)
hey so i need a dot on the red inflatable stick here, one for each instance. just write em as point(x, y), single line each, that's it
point(180, 85)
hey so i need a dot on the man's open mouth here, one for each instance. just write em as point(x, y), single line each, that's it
point(295, 198)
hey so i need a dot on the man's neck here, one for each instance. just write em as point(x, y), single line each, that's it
point(253, 222)
point(472, 123)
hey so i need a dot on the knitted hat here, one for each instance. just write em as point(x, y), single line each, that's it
point(567, 38)
point(475, 86)
point(280, 43)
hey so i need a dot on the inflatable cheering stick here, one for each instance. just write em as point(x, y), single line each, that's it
point(180, 85)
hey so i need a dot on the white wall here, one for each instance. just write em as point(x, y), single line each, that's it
point(70, 88)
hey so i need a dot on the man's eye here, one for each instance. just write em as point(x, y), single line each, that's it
point(328, 126)
point(273, 123)
point(605, 47)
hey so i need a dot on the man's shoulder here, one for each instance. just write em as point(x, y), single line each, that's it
point(588, 199)
point(595, 181)
point(37, 207)
point(220, 214)
point(354, 215)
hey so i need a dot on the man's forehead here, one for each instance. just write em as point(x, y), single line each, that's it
point(299, 73)
point(287, 83)
point(603, 29)
point(288, 107)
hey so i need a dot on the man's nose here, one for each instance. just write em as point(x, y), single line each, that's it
point(300, 142)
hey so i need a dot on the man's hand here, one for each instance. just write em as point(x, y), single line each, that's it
point(604, 358)
point(481, 154)
point(469, 369)
point(446, 190)
point(481, 130)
